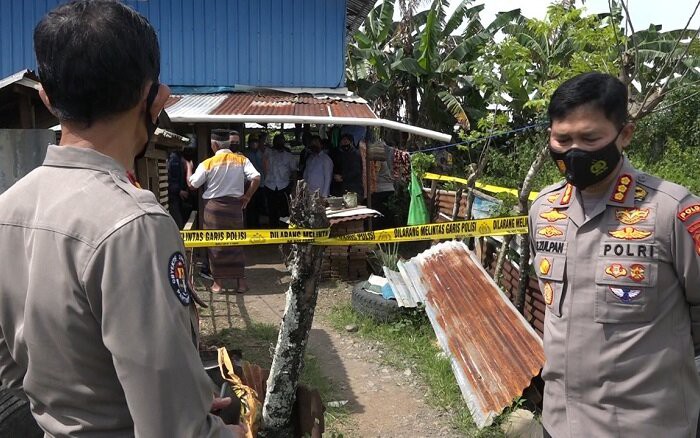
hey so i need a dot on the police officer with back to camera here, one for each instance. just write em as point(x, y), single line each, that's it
point(617, 254)
point(97, 323)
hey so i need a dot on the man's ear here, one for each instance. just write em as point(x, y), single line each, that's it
point(626, 134)
point(159, 101)
point(45, 99)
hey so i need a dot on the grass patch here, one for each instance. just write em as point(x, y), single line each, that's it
point(257, 342)
point(412, 342)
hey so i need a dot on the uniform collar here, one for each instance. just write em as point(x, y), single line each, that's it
point(82, 158)
point(223, 151)
point(619, 194)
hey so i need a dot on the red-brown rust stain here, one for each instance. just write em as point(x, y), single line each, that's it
point(497, 354)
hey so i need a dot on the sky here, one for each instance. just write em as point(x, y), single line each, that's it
point(672, 15)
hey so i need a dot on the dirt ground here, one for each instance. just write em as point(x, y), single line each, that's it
point(382, 401)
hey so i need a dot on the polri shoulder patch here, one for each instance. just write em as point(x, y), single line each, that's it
point(177, 275)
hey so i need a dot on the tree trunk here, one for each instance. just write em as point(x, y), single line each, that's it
point(306, 211)
point(523, 240)
point(524, 264)
point(457, 204)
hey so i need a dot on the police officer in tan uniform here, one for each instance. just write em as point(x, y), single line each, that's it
point(617, 253)
point(97, 322)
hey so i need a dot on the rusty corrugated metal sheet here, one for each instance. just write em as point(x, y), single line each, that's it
point(282, 104)
point(495, 353)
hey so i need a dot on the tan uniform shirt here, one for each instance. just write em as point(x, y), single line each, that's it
point(622, 288)
point(96, 317)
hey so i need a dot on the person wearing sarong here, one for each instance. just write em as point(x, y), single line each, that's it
point(225, 199)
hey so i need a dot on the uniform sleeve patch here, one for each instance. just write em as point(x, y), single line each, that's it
point(177, 275)
point(689, 212)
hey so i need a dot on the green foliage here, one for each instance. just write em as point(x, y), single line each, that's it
point(385, 255)
point(422, 163)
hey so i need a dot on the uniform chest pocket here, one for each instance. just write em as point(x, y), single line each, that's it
point(550, 270)
point(626, 291)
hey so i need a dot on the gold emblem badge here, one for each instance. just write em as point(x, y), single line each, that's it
point(599, 167)
point(545, 266)
point(616, 270)
point(552, 198)
point(550, 231)
point(632, 216)
point(561, 166)
point(640, 194)
point(630, 233)
point(637, 272)
point(553, 215)
point(548, 293)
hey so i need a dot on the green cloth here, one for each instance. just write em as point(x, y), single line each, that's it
point(417, 210)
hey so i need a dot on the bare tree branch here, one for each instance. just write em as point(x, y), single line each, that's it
point(660, 94)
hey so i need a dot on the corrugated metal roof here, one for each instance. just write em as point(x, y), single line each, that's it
point(495, 353)
point(268, 104)
point(286, 43)
point(194, 104)
point(24, 77)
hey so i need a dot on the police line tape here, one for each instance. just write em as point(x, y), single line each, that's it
point(479, 185)
point(445, 230)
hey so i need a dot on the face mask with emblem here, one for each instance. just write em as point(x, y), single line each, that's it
point(583, 169)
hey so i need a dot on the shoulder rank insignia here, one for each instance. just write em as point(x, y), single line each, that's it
point(625, 294)
point(616, 270)
point(550, 231)
point(568, 192)
point(630, 233)
point(621, 188)
point(548, 293)
point(552, 198)
point(553, 215)
point(632, 216)
point(640, 194)
point(545, 266)
point(689, 212)
point(637, 272)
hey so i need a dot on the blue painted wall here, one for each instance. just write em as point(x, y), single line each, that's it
point(276, 43)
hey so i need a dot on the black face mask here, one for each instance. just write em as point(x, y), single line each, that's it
point(583, 169)
point(150, 126)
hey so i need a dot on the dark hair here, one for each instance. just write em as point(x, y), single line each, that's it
point(603, 91)
point(349, 137)
point(94, 58)
point(219, 134)
point(230, 133)
point(278, 141)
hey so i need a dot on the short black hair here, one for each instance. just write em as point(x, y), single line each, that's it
point(349, 137)
point(230, 133)
point(603, 91)
point(278, 140)
point(94, 58)
point(220, 134)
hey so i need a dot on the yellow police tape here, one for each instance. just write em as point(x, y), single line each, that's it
point(446, 230)
point(485, 187)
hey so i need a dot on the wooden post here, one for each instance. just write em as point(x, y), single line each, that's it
point(457, 204)
point(306, 211)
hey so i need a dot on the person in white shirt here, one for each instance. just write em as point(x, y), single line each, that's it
point(318, 172)
point(225, 174)
point(280, 169)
